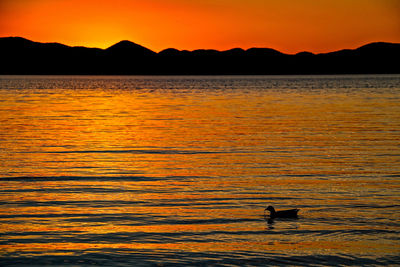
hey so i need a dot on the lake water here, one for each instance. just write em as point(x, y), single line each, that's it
point(131, 171)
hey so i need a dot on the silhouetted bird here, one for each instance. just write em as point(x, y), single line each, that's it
point(282, 213)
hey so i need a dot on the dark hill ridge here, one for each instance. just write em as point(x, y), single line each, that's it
point(128, 47)
point(22, 56)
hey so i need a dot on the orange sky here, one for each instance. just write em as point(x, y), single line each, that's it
point(287, 25)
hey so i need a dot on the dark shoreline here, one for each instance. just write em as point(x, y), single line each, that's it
point(24, 57)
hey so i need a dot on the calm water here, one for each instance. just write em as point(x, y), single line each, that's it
point(137, 171)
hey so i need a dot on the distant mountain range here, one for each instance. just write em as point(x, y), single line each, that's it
point(22, 56)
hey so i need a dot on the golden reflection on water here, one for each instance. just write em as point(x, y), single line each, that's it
point(306, 247)
point(294, 130)
point(194, 171)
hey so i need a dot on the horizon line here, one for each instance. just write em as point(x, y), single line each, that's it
point(200, 49)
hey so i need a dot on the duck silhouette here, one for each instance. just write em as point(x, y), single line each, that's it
point(282, 213)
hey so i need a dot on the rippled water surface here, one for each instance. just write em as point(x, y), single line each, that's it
point(130, 171)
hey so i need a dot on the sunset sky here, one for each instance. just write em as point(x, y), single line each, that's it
point(287, 25)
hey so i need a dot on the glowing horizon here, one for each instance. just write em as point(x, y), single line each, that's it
point(288, 26)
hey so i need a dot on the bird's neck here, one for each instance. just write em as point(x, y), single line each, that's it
point(272, 211)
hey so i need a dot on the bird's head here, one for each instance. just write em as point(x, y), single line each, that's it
point(270, 208)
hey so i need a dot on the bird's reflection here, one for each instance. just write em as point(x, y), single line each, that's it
point(270, 222)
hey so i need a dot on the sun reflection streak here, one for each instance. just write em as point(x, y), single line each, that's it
point(164, 170)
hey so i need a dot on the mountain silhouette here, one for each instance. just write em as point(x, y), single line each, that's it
point(129, 48)
point(22, 56)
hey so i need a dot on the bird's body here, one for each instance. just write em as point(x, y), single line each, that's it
point(282, 213)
